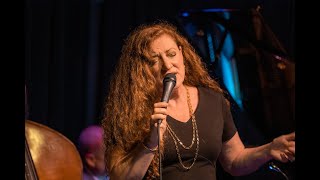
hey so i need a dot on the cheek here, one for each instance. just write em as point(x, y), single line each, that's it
point(180, 78)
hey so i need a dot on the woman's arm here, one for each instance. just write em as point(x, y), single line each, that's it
point(135, 164)
point(238, 160)
point(131, 166)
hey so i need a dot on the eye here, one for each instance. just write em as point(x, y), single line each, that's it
point(171, 54)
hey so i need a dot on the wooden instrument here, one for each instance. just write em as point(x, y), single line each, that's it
point(49, 155)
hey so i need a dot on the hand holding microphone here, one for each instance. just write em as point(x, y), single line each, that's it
point(159, 112)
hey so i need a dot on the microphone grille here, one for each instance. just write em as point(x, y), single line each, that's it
point(169, 77)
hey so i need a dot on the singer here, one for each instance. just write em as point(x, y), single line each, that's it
point(196, 130)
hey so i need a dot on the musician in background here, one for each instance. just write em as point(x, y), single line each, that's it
point(91, 148)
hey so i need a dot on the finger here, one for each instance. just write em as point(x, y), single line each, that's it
point(156, 117)
point(163, 127)
point(160, 111)
point(291, 136)
point(288, 152)
point(291, 143)
point(292, 150)
point(290, 157)
point(160, 105)
point(284, 157)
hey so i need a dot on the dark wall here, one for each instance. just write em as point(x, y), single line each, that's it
point(56, 59)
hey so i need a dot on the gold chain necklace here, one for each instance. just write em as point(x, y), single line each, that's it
point(195, 135)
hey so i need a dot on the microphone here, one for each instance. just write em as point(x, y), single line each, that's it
point(169, 81)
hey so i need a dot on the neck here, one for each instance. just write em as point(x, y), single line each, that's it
point(178, 105)
point(178, 96)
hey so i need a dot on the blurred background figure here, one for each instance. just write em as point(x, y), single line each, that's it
point(91, 148)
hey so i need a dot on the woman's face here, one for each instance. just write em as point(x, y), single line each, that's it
point(167, 58)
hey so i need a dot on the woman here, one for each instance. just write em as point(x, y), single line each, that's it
point(197, 128)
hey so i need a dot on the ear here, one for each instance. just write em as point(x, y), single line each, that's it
point(180, 48)
point(90, 160)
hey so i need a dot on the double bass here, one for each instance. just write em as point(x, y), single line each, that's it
point(49, 155)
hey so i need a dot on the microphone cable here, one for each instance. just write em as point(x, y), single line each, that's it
point(272, 166)
point(160, 168)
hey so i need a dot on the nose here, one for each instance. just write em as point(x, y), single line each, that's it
point(169, 67)
point(166, 65)
point(165, 68)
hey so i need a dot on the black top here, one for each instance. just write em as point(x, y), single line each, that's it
point(215, 125)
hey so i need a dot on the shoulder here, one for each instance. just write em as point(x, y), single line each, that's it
point(210, 93)
point(86, 176)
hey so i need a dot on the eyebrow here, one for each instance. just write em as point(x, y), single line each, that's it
point(154, 54)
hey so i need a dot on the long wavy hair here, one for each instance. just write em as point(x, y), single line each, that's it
point(132, 93)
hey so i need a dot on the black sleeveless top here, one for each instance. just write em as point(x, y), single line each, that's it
point(215, 125)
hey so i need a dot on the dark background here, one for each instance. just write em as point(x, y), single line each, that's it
point(71, 48)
